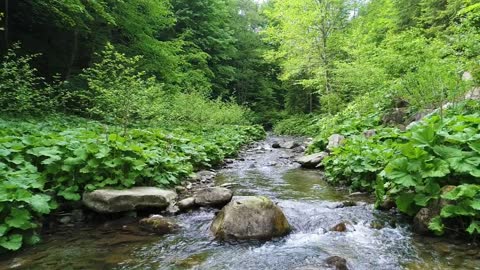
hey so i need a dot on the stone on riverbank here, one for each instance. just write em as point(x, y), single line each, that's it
point(186, 204)
point(115, 201)
point(250, 217)
point(214, 196)
point(335, 141)
point(312, 161)
point(423, 218)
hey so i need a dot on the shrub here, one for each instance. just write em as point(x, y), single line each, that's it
point(22, 91)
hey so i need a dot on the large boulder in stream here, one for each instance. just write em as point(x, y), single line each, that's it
point(250, 217)
point(114, 201)
point(213, 196)
point(312, 161)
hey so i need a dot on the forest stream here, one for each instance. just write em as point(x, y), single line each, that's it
point(372, 240)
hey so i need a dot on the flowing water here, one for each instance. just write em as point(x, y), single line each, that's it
point(373, 240)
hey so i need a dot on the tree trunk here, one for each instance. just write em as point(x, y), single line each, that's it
point(73, 55)
point(5, 30)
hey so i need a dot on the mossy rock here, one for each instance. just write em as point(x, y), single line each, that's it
point(250, 217)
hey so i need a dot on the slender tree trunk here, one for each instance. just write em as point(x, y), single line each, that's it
point(5, 30)
point(73, 55)
point(325, 63)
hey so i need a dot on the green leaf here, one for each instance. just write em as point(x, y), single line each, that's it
point(424, 135)
point(70, 193)
point(435, 168)
point(397, 170)
point(447, 151)
point(474, 227)
point(422, 199)
point(475, 204)
point(32, 239)
point(466, 191)
point(436, 225)
point(461, 209)
point(3, 229)
point(12, 242)
point(19, 218)
point(405, 202)
point(475, 146)
point(39, 203)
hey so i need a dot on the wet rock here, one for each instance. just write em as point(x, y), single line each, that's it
point(311, 161)
point(276, 144)
point(272, 164)
point(423, 217)
point(335, 141)
point(348, 204)
point(357, 194)
point(299, 149)
point(250, 217)
point(214, 196)
point(337, 262)
point(387, 204)
point(180, 189)
point(189, 186)
point(204, 175)
point(289, 144)
point(158, 224)
point(340, 227)
point(114, 201)
point(78, 215)
point(376, 225)
point(172, 209)
point(192, 261)
point(228, 185)
point(186, 204)
point(229, 161)
point(65, 219)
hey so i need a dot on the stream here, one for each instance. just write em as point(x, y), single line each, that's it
point(373, 240)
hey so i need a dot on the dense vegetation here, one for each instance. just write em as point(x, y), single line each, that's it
point(371, 68)
point(123, 93)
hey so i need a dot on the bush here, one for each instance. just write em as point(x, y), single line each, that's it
point(22, 91)
point(198, 110)
point(412, 167)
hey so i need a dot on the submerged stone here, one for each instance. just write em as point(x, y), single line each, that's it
point(337, 262)
point(158, 224)
point(250, 217)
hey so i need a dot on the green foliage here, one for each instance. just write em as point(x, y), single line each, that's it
point(22, 91)
point(296, 125)
point(117, 91)
point(358, 162)
point(438, 153)
point(42, 163)
point(415, 167)
point(197, 109)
